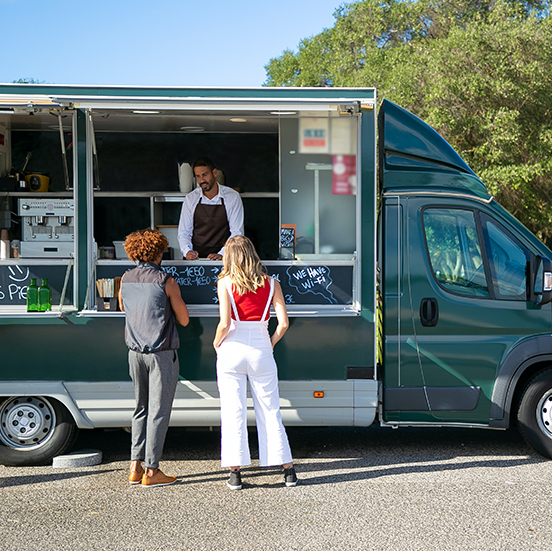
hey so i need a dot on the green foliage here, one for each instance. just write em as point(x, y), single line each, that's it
point(28, 81)
point(479, 72)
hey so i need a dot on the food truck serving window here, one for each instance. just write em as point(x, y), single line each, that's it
point(296, 172)
point(37, 204)
point(318, 186)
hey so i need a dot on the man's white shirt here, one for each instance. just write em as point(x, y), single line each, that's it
point(234, 212)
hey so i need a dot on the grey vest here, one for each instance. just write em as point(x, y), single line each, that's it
point(150, 324)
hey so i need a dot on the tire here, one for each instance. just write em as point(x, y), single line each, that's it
point(33, 430)
point(534, 416)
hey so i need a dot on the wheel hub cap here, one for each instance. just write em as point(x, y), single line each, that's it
point(544, 414)
point(26, 422)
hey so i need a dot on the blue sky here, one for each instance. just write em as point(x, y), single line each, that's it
point(154, 42)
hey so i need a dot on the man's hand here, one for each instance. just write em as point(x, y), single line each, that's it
point(192, 255)
point(214, 256)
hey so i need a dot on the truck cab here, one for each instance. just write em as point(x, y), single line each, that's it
point(466, 293)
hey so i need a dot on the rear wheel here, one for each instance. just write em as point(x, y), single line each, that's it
point(535, 413)
point(33, 430)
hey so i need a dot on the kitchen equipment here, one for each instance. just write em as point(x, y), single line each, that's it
point(120, 252)
point(15, 244)
point(106, 252)
point(37, 182)
point(47, 228)
point(171, 233)
point(27, 159)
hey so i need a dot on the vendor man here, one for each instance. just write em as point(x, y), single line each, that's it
point(210, 215)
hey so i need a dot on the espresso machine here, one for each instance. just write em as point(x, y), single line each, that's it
point(48, 229)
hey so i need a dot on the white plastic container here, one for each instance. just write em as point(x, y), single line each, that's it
point(120, 252)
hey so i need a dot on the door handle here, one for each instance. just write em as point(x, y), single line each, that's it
point(429, 312)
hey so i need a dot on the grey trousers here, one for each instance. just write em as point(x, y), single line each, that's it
point(154, 376)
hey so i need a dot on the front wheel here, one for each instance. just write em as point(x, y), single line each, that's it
point(534, 415)
point(33, 430)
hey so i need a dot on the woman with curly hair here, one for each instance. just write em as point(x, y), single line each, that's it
point(152, 304)
point(245, 351)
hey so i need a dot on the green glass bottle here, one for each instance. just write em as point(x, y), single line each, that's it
point(32, 296)
point(44, 296)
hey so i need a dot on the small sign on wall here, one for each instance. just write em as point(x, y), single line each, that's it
point(314, 135)
point(324, 135)
point(344, 175)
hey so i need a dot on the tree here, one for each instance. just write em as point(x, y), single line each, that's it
point(28, 81)
point(479, 72)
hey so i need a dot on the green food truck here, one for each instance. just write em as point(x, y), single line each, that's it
point(414, 298)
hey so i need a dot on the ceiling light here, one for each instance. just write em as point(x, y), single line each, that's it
point(283, 113)
point(238, 120)
point(146, 112)
point(192, 128)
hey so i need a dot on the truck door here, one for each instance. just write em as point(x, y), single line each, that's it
point(454, 283)
point(466, 277)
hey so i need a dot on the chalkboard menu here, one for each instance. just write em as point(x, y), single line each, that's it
point(287, 237)
point(15, 278)
point(287, 241)
point(314, 284)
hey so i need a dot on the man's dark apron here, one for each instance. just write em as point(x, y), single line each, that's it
point(211, 228)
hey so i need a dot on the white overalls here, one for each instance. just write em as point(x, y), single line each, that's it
point(246, 353)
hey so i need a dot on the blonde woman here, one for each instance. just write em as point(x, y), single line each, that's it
point(244, 351)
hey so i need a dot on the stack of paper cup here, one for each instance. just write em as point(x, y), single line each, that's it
point(185, 177)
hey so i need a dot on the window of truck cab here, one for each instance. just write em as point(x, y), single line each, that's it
point(471, 254)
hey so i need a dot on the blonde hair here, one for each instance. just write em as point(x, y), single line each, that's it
point(145, 245)
point(242, 265)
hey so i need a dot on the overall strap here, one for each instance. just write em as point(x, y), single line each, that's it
point(232, 301)
point(269, 301)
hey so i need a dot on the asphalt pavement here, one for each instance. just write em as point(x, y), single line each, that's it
point(359, 489)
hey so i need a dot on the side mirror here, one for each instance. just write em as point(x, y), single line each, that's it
point(540, 280)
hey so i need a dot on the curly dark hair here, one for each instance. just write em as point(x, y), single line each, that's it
point(145, 245)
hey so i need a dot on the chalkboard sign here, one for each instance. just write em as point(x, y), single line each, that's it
point(287, 241)
point(316, 284)
point(287, 237)
point(15, 278)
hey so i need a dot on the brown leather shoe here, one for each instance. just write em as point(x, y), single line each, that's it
point(158, 479)
point(135, 477)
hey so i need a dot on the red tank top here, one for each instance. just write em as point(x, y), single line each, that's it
point(250, 306)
